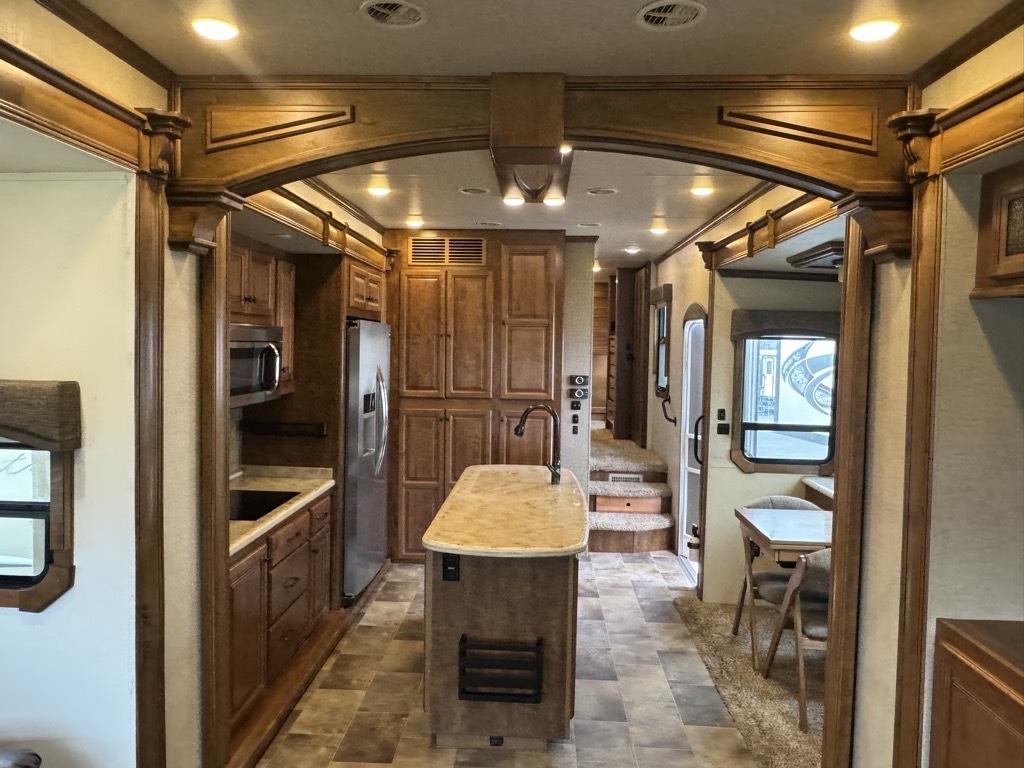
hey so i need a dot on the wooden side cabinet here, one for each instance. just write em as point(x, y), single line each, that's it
point(248, 579)
point(978, 694)
point(365, 292)
point(251, 278)
point(1000, 268)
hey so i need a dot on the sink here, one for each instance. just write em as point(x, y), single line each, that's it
point(252, 505)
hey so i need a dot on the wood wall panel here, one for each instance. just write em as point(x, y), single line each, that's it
point(421, 352)
point(468, 441)
point(527, 361)
point(470, 335)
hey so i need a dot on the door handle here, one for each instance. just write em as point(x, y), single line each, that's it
point(696, 439)
point(384, 421)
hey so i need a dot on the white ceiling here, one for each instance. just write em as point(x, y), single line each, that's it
point(23, 150)
point(577, 37)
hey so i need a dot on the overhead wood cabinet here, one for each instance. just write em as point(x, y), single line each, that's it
point(365, 297)
point(478, 326)
point(251, 276)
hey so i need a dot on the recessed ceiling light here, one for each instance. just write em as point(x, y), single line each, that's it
point(631, 249)
point(873, 31)
point(473, 190)
point(701, 191)
point(554, 201)
point(658, 227)
point(513, 201)
point(414, 221)
point(488, 223)
point(215, 29)
point(601, 191)
point(565, 149)
point(379, 191)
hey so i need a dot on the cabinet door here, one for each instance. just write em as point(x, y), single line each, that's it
point(356, 287)
point(260, 284)
point(375, 293)
point(284, 315)
point(237, 258)
point(421, 355)
point(534, 447)
point(248, 579)
point(467, 442)
point(529, 288)
point(470, 334)
point(420, 476)
point(319, 572)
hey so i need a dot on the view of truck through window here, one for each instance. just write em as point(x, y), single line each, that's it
point(24, 514)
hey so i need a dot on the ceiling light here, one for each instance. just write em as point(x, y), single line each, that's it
point(632, 249)
point(701, 191)
point(473, 190)
point(658, 227)
point(215, 29)
point(597, 267)
point(379, 191)
point(565, 149)
point(873, 31)
point(554, 201)
point(513, 200)
point(414, 221)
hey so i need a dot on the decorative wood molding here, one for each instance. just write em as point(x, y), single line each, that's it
point(723, 215)
point(915, 129)
point(46, 415)
point(345, 205)
point(981, 126)
point(195, 216)
point(746, 323)
point(850, 128)
point(231, 126)
point(707, 253)
point(661, 294)
point(885, 223)
point(36, 95)
point(827, 255)
point(974, 42)
point(760, 274)
point(164, 129)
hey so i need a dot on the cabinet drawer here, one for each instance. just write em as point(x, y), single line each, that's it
point(289, 537)
point(623, 504)
point(319, 513)
point(288, 579)
point(286, 635)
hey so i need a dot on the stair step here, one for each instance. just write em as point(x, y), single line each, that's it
point(609, 455)
point(630, 490)
point(618, 521)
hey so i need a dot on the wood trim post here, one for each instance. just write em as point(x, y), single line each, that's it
point(707, 251)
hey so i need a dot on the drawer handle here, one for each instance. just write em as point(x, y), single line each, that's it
point(291, 582)
point(293, 537)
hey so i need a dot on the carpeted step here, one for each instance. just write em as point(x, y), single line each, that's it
point(609, 455)
point(616, 521)
point(630, 490)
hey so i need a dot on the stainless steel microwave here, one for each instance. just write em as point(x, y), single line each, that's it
point(255, 353)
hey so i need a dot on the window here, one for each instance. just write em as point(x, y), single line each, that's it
point(24, 514)
point(783, 417)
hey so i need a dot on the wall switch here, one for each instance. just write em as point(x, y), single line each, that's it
point(575, 429)
point(723, 429)
point(575, 405)
point(721, 414)
point(575, 418)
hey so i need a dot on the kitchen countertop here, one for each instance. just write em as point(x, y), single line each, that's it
point(504, 510)
point(823, 485)
point(310, 482)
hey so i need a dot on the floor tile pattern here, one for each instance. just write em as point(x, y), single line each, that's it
point(643, 696)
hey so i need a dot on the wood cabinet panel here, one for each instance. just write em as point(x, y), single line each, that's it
point(528, 283)
point(286, 635)
point(319, 514)
point(534, 447)
point(421, 319)
point(468, 440)
point(319, 572)
point(417, 506)
point(237, 257)
point(284, 316)
point(420, 445)
point(248, 580)
point(470, 334)
point(252, 277)
point(288, 537)
point(288, 579)
point(260, 279)
point(527, 362)
point(375, 292)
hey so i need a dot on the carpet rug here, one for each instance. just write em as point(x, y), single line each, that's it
point(766, 712)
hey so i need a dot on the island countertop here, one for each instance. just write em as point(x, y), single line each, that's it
point(506, 510)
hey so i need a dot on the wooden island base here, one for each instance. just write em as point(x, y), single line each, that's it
point(498, 610)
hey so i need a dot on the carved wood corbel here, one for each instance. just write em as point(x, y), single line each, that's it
point(886, 222)
point(707, 252)
point(195, 215)
point(164, 130)
point(915, 130)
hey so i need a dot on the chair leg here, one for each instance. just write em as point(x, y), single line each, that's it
point(752, 621)
point(801, 678)
point(739, 606)
point(780, 625)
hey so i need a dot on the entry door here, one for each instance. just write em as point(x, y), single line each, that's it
point(693, 429)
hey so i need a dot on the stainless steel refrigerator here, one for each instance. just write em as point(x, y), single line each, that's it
point(366, 447)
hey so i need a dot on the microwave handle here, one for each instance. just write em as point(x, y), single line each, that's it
point(273, 384)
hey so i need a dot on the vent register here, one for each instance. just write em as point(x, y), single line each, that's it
point(442, 251)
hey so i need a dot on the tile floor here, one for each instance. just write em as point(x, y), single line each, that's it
point(643, 696)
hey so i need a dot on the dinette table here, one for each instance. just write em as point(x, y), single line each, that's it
point(784, 535)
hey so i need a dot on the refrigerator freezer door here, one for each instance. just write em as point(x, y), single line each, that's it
point(365, 512)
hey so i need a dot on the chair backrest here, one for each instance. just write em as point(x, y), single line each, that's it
point(818, 570)
point(781, 502)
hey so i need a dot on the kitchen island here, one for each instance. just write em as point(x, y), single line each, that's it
point(500, 608)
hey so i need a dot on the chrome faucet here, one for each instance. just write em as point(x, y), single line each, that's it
point(556, 450)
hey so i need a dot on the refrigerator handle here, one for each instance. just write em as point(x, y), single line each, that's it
point(383, 408)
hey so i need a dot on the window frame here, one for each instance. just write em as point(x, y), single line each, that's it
point(661, 300)
point(774, 324)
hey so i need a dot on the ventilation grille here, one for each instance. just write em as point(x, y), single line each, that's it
point(439, 251)
point(670, 16)
point(621, 477)
point(393, 14)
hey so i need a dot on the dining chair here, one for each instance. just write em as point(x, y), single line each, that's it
point(804, 610)
point(767, 585)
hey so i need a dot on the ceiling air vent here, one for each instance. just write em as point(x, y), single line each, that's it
point(665, 17)
point(393, 14)
point(440, 251)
